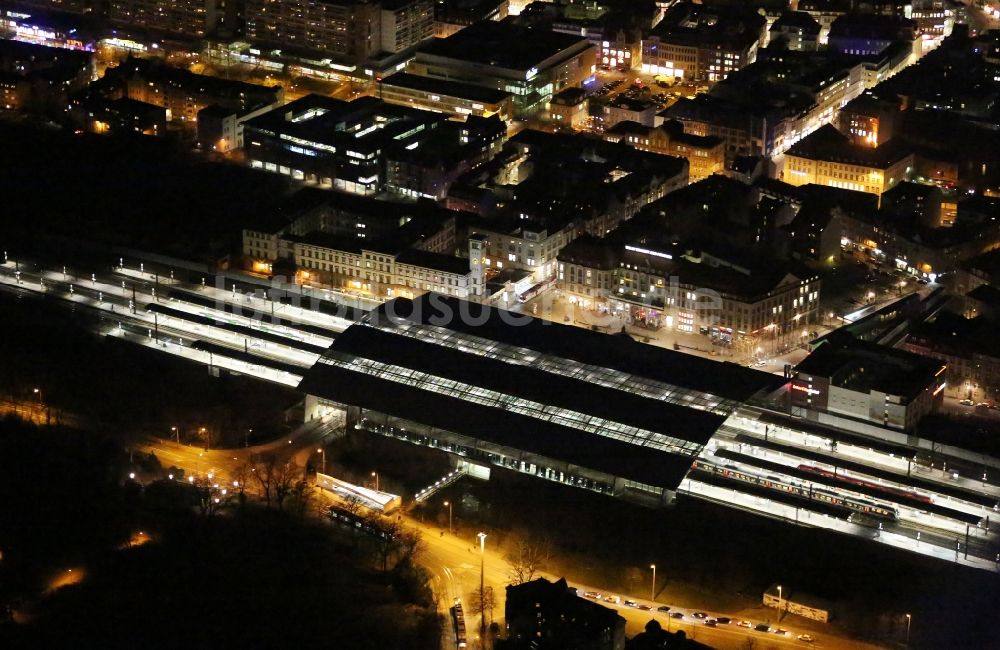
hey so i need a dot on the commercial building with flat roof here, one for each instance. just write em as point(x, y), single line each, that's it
point(868, 382)
point(530, 64)
point(450, 97)
point(332, 142)
point(558, 402)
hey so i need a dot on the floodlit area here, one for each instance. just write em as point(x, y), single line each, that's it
point(758, 460)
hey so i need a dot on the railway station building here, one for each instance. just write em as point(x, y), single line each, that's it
point(501, 389)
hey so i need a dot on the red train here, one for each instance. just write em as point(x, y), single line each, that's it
point(875, 486)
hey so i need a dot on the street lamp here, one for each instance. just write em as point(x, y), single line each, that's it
point(375, 476)
point(482, 595)
point(177, 434)
point(38, 391)
point(322, 451)
point(448, 503)
point(652, 590)
point(909, 619)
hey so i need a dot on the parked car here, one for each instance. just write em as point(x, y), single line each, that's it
point(780, 631)
point(629, 603)
point(724, 620)
point(700, 615)
point(592, 594)
point(746, 624)
point(663, 608)
point(644, 608)
point(966, 402)
point(806, 637)
point(711, 622)
point(677, 615)
point(762, 627)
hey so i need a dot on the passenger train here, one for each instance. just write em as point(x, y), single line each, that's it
point(868, 484)
point(863, 506)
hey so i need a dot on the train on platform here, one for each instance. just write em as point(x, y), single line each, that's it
point(809, 492)
point(897, 492)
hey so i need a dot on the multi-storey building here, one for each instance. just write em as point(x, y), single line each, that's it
point(934, 18)
point(449, 97)
point(706, 155)
point(569, 108)
point(364, 245)
point(868, 35)
point(345, 29)
point(688, 291)
point(447, 151)
point(826, 157)
point(333, 143)
point(185, 93)
point(868, 121)
point(41, 78)
point(867, 382)
point(452, 16)
point(703, 43)
point(797, 30)
point(405, 23)
point(188, 18)
point(530, 64)
point(383, 271)
point(627, 109)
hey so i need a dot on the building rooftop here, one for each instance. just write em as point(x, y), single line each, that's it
point(796, 20)
point(701, 25)
point(157, 70)
point(872, 27)
point(601, 402)
point(503, 45)
point(569, 96)
point(446, 88)
point(829, 144)
point(864, 367)
point(435, 261)
point(361, 125)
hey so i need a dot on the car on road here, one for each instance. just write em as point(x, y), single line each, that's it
point(700, 615)
point(780, 631)
point(592, 594)
point(967, 402)
point(744, 624)
point(629, 603)
point(677, 615)
point(762, 627)
point(612, 599)
point(724, 620)
point(644, 608)
point(806, 637)
point(711, 622)
point(663, 608)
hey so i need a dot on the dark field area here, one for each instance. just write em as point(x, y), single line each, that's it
point(90, 562)
point(139, 192)
point(123, 388)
